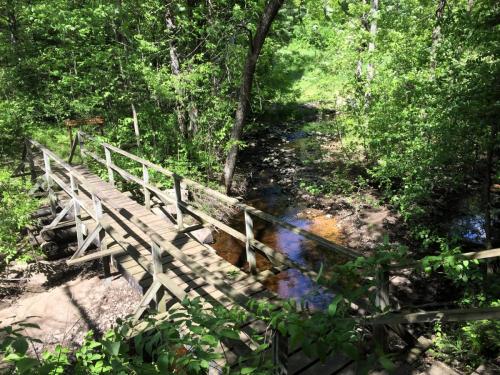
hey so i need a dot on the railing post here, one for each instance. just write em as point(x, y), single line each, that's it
point(80, 143)
point(157, 268)
point(147, 194)
point(48, 180)
point(29, 156)
point(100, 239)
point(111, 176)
point(178, 200)
point(382, 302)
point(76, 210)
point(280, 353)
point(250, 253)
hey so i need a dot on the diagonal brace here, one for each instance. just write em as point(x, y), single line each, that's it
point(60, 215)
point(146, 300)
point(90, 238)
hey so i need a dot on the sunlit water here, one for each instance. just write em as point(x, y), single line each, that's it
point(290, 283)
point(272, 199)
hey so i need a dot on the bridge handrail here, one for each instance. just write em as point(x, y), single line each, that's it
point(158, 243)
point(226, 199)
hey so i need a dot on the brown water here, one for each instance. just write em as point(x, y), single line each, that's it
point(290, 283)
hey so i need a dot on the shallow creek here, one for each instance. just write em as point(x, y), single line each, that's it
point(268, 196)
point(266, 193)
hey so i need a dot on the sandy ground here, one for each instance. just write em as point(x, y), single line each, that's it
point(66, 312)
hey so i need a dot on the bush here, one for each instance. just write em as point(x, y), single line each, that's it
point(15, 209)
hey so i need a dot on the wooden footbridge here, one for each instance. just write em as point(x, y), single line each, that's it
point(159, 255)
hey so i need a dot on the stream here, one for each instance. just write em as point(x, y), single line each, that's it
point(273, 189)
point(268, 196)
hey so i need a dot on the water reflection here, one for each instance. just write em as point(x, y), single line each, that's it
point(291, 283)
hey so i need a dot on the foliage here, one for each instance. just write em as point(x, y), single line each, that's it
point(468, 344)
point(187, 342)
point(15, 210)
point(423, 124)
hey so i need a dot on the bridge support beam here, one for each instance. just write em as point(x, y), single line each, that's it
point(250, 253)
point(383, 303)
point(280, 353)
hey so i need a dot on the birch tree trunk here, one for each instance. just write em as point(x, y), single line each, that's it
point(373, 34)
point(136, 125)
point(436, 33)
point(175, 69)
point(255, 47)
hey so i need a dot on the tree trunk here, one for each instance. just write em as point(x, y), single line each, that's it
point(12, 23)
point(373, 33)
point(490, 171)
point(175, 67)
point(436, 33)
point(136, 125)
point(255, 47)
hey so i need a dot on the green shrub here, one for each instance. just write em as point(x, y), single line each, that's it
point(16, 205)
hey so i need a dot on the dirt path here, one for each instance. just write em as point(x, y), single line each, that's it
point(66, 312)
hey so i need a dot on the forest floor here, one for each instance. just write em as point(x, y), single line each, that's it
point(64, 307)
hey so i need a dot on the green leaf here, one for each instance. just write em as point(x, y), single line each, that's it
point(332, 307)
point(387, 363)
point(247, 370)
point(164, 363)
point(20, 345)
point(113, 347)
point(26, 364)
point(229, 333)
point(210, 340)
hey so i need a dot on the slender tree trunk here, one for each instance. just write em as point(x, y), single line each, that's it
point(136, 125)
point(255, 47)
point(490, 170)
point(470, 4)
point(373, 33)
point(175, 67)
point(12, 24)
point(436, 33)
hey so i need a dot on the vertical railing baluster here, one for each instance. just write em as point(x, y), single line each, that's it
point(178, 201)
point(101, 244)
point(48, 180)
point(80, 143)
point(157, 269)
point(250, 253)
point(29, 155)
point(111, 176)
point(280, 353)
point(145, 178)
point(76, 210)
point(382, 302)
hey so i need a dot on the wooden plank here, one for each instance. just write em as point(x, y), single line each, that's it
point(451, 315)
point(483, 254)
point(331, 365)
point(96, 255)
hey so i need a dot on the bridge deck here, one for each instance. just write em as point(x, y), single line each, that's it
point(135, 224)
